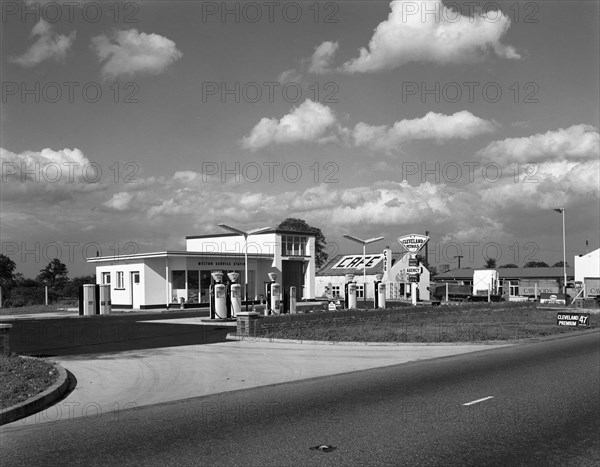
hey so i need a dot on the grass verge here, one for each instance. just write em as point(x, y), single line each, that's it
point(463, 323)
point(26, 310)
point(22, 378)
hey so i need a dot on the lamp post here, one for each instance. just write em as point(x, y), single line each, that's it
point(562, 211)
point(245, 235)
point(364, 244)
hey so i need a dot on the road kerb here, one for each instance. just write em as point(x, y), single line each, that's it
point(39, 401)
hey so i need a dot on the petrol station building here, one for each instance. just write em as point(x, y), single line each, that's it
point(393, 268)
point(167, 278)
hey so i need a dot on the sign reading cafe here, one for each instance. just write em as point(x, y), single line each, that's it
point(356, 261)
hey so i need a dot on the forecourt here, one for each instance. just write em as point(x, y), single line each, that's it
point(528, 404)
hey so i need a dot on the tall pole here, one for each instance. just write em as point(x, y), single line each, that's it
point(246, 270)
point(564, 254)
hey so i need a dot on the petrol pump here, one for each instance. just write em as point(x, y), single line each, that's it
point(379, 300)
point(235, 294)
point(292, 309)
point(350, 291)
point(218, 295)
point(274, 294)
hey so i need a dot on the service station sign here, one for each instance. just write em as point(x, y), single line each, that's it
point(413, 242)
point(573, 319)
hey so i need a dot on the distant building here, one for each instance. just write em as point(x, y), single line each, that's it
point(587, 272)
point(516, 281)
point(391, 265)
point(158, 279)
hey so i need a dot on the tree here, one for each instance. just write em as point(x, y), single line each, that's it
point(536, 264)
point(298, 225)
point(559, 264)
point(54, 275)
point(490, 263)
point(71, 288)
point(7, 271)
point(509, 265)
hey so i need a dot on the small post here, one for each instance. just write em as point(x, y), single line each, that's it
point(535, 291)
point(446, 291)
point(489, 293)
point(46, 295)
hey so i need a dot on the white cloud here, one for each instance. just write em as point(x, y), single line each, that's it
point(317, 123)
point(309, 122)
point(130, 52)
point(47, 176)
point(575, 142)
point(435, 126)
point(119, 202)
point(411, 35)
point(49, 46)
point(289, 76)
point(322, 57)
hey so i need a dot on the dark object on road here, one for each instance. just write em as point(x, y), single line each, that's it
point(324, 448)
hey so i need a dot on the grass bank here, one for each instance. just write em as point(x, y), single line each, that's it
point(22, 378)
point(461, 323)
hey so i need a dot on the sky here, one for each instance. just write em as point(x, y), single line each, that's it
point(126, 126)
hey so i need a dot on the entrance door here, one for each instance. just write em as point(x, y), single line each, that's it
point(293, 275)
point(136, 290)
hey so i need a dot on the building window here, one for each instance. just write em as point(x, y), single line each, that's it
point(120, 281)
point(360, 291)
point(335, 291)
point(178, 279)
point(106, 278)
point(293, 245)
point(514, 288)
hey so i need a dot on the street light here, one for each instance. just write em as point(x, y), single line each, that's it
point(562, 211)
point(245, 235)
point(364, 244)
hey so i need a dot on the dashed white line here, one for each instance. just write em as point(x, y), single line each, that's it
point(479, 400)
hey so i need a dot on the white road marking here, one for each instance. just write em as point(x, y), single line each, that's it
point(479, 400)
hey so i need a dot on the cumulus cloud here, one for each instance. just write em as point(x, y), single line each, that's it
point(435, 126)
point(119, 202)
point(322, 57)
point(413, 34)
point(289, 76)
point(48, 46)
point(53, 175)
point(309, 122)
point(315, 122)
point(576, 142)
point(127, 53)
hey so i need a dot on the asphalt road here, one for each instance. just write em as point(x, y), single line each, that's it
point(538, 405)
point(112, 333)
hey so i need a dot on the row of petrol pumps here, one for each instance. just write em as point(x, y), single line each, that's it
point(226, 300)
point(351, 295)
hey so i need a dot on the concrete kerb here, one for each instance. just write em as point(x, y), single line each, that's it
point(38, 402)
point(234, 337)
point(529, 340)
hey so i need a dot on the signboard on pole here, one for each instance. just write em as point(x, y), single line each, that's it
point(413, 262)
point(413, 278)
point(413, 270)
point(413, 242)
